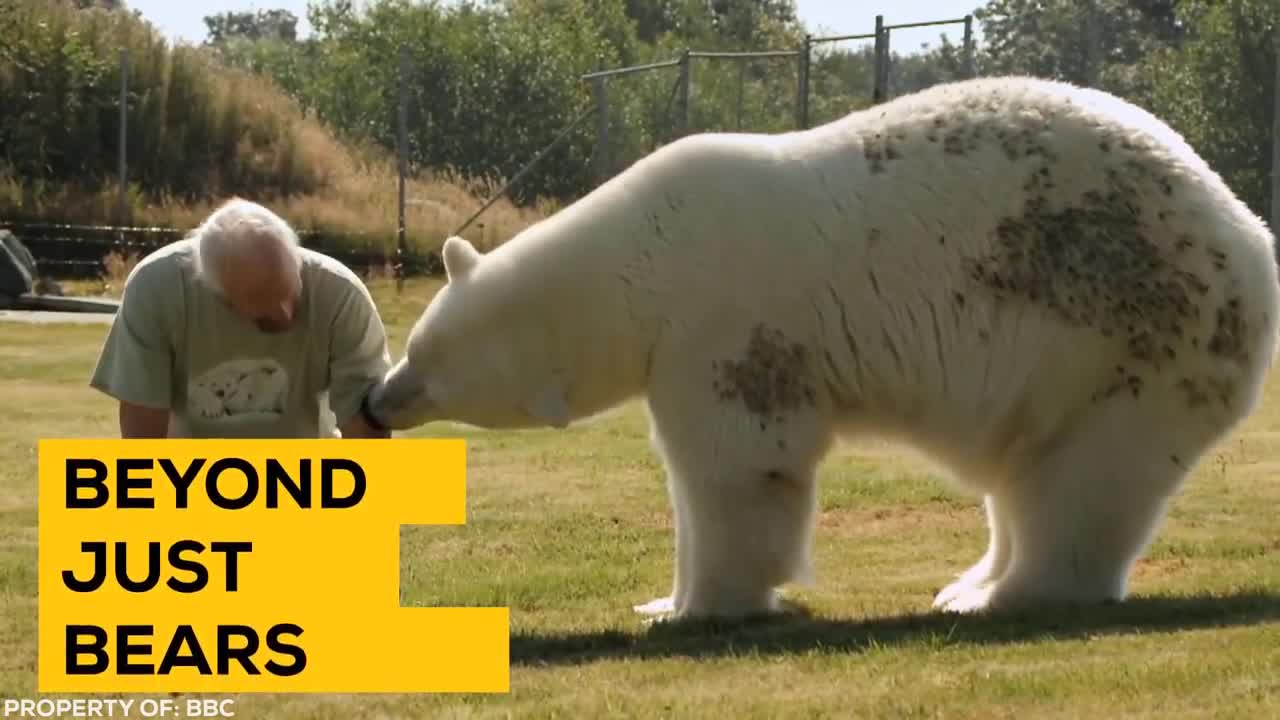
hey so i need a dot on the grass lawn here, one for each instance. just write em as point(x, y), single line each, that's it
point(570, 529)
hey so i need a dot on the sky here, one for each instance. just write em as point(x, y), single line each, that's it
point(184, 19)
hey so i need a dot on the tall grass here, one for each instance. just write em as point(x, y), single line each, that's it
point(197, 132)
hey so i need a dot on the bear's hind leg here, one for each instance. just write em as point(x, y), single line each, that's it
point(1080, 516)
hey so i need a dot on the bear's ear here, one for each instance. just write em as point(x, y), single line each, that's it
point(549, 407)
point(460, 256)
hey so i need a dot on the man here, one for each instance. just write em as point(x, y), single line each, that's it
point(239, 331)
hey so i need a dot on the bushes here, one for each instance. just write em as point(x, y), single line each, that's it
point(492, 85)
point(197, 132)
point(1218, 90)
point(192, 132)
point(488, 87)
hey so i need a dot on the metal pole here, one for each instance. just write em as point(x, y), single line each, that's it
point(631, 69)
point(1091, 69)
point(886, 57)
point(402, 150)
point(742, 72)
point(838, 38)
point(750, 54)
point(604, 162)
point(877, 95)
point(969, 69)
point(802, 120)
point(1275, 140)
point(685, 61)
point(525, 170)
point(927, 23)
point(123, 168)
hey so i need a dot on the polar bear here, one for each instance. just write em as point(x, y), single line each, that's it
point(1038, 286)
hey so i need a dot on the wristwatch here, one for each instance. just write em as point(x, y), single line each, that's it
point(368, 416)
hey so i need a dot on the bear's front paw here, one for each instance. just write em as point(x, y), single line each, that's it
point(660, 606)
point(966, 599)
point(965, 584)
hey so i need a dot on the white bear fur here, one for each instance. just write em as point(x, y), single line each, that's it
point(950, 269)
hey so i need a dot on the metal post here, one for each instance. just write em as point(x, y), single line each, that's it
point(604, 161)
point(886, 91)
point(802, 115)
point(742, 72)
point(1275, 140)
point(877, 95)
point(685, 61)
point(122, 202)
point(528, 166)
point(969, 69)
point(1091, 69)
point(402, 150)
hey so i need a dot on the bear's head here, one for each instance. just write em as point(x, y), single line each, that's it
point(479, 354)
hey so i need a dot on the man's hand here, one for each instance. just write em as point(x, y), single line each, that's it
point(137, 421)
point(360, 425)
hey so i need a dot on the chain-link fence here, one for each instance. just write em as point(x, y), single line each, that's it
point(634, 111)
point(639, 108)
point(631, 111)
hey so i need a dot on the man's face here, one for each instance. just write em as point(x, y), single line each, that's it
point(266, 293)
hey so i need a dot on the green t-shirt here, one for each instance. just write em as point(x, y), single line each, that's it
point(176, 344)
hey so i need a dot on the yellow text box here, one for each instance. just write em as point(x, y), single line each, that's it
point(251, 566)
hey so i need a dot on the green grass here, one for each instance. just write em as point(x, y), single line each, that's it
point(570, 529)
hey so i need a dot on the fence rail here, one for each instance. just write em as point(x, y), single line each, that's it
point(840, 38)
point(582, 115)
point(630, 69)
point(747, 54)
point(604, 161)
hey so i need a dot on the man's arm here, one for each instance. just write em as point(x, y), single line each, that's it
point(360, 427)
point(135, 365)
point(138, 421)
point(359, 359)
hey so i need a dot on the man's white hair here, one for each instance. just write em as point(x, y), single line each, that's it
point(235, 232)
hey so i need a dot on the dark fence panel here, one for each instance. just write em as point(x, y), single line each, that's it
point(77, 252)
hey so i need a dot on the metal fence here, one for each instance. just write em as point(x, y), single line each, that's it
point(606, 163)
point(675, 119)
point(679, 108)
point(1275, 144)
point(78, 251)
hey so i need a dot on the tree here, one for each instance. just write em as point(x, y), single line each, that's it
point(1218, 89)
point(1090, 42)
point(262, 25)
point(653, 18)
point(736, 23)
point(744, 23)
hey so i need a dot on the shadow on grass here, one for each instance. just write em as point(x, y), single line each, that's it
point(799, 632)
